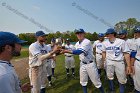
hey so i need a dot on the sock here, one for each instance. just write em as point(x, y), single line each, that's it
point(130, 80)
point(73, 70)
point(67, 69)
point(52, 71)
point(99, 71)
point(49, 78)
point(101, 89)
point(105, 74)
point(137, 91)
point(84, 89)
point(111, 85)
point(122, 88)
point(43, 90)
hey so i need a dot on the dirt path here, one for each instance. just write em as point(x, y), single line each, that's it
point(21, 67)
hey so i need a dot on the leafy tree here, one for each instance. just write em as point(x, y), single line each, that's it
point(95, 36)
point(128, 25)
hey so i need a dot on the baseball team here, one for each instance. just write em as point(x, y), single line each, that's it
point(113, 54)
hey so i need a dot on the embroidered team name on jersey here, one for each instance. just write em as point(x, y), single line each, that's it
point(113, 48)
point(43, 51)
point(99, 46)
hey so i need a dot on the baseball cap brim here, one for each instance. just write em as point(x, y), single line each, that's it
point(40, 33)
point(19, 41)
point(43, 35)
point(77, 32)
point(136, 31)
point(122, 34)
point(110, 33)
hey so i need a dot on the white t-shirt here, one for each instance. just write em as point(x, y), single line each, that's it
point(114, 51)
point(85, 46)
point(9, 82)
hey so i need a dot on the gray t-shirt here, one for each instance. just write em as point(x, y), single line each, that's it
point(9, 82)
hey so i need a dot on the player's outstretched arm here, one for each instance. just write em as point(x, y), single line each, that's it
point(75, 52)
point(48, 55)
point(65, 51)
point(127, 60)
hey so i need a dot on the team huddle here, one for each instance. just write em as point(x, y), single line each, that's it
point(112, 53)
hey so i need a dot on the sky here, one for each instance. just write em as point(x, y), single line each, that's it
point(29, 16)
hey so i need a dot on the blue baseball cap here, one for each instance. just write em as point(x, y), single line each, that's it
point(137, 30)
point(53, 40)
point(9, 38)
point(110, 31)
point(77, 31)
point(122, 32)
point(40, 33)
point(100, 35)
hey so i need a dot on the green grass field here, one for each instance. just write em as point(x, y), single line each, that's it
point(71, 85)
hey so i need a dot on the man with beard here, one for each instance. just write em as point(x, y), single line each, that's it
point(10, 46)
point(38, 56)
point(130, 42)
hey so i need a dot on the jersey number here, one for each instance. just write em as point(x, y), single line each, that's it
point(117, 53)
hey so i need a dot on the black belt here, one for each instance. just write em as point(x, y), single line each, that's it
point(99, 53)
point(68, 56)
point(137, 59)
point(116, 60)
point(86, 62)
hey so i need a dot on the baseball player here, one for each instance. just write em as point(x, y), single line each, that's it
point(98, 46)
point(123, 35)
point(114, 52)
point(47, 70)
point(53, 63)
point(87, 65)
point(135, 61)
point(10, 46)
point(38, 56)
point(69, 58)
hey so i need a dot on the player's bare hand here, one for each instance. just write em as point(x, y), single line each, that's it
point(26, 87)
point(56, 49)
point(62, 51)
point(128, 70)
point(65, 51)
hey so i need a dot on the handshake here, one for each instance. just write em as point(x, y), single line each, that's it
point(59, 50)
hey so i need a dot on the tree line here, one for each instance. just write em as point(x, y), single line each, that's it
point(128, 25)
